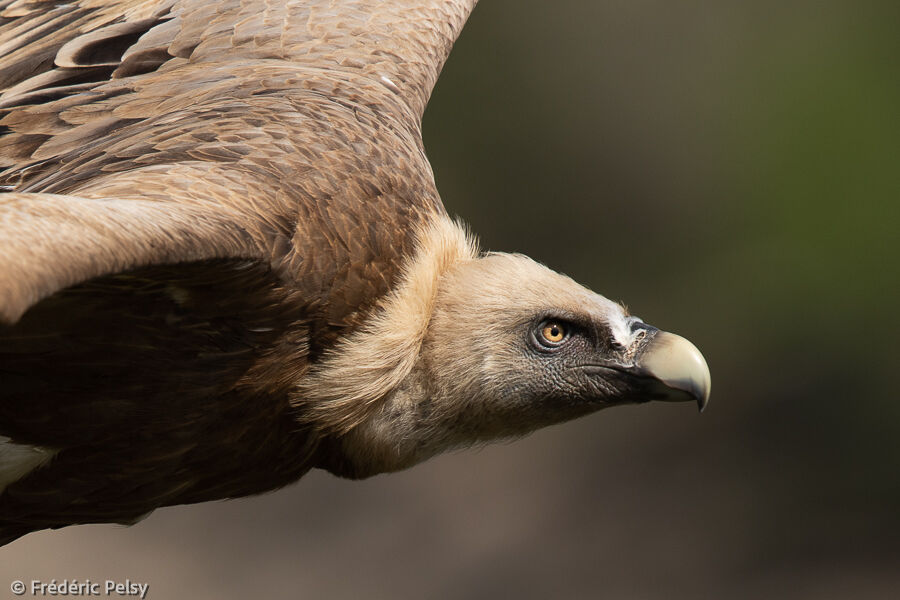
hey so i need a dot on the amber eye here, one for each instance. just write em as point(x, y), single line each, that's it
point(553, 333)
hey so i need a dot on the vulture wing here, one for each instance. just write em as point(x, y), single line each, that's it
point(189, 188)
point(245, 112)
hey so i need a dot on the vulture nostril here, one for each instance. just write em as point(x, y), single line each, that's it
point(640, 326)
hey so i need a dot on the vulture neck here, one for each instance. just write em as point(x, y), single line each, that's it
point(369, 396)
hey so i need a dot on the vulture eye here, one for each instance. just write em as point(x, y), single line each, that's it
point(552, 333)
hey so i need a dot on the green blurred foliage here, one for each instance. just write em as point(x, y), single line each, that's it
point(729, 170)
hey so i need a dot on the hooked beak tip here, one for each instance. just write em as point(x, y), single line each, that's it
point(679, 365)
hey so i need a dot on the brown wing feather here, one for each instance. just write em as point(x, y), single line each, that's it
point(51, 242)
point(32, 32)
point(400, 45)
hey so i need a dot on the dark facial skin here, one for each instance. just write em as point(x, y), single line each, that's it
point(577, 367)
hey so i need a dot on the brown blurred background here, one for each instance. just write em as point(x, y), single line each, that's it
point(730, 171)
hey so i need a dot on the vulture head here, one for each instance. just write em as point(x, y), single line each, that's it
point(506, 346)
point(535, 347)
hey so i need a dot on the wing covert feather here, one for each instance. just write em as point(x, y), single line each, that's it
point(401, 44)
point(53, 241)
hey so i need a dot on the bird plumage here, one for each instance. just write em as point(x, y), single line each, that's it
point(224, 261)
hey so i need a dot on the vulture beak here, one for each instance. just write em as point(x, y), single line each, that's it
point(678, 367)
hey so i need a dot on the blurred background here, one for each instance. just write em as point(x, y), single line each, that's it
point(730, 171)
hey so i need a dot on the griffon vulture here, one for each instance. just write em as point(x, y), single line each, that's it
point(224, 262)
